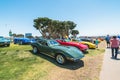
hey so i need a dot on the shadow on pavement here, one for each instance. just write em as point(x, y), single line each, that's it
point(115, 58)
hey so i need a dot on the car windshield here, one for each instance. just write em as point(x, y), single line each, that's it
point(67, 40)
point(53, 43)
point(79, 40)
point(2, 38)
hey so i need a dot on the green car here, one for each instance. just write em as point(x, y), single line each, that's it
point(53, 49)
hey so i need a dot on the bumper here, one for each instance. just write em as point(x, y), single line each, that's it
point(4, 43)
point(93, 47)
point(74, 59)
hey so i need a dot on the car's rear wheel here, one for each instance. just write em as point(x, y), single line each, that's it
point(8, 45)
point(35, 49)
point(60, 59)
point(20, 42)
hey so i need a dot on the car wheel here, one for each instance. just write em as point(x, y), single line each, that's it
point(35, 50)
point(20, 43)
point(8, 45)
point(60, 59)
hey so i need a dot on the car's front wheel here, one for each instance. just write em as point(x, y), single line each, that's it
point(8, 45)
point(20, 42)
point(35, 50)
point(60, 59)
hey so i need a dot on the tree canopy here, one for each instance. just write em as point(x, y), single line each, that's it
point(74, 32)
point(53, 28)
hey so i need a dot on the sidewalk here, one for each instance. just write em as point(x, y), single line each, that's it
point(110, 68)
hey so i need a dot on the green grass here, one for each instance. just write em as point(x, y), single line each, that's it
point(18, 63)
point(94, 52)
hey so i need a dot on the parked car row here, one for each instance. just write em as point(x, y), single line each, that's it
point(87, 43)
point(53, 49)
point(67, 42)
point(62, 49)
point(22, 41)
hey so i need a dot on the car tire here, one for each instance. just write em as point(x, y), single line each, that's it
point(60, 59)
point(8, 45)
point(20, 42)
point(35, 50)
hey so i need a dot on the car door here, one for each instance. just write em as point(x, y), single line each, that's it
point(46, 49)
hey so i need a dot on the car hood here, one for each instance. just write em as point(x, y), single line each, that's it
point(87, 43)
point(73, 51)
point(4, 40)
point(78, 44)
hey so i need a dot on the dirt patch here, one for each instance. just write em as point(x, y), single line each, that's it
point(102, 45)
point(90, 70)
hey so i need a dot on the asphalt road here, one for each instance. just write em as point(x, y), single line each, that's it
point(111, 67)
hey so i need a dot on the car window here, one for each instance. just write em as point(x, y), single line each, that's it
point(1, 36)
point(39, 41)
point(53, 43)
point(79, 40)
point(43, 43)
point(67, 40)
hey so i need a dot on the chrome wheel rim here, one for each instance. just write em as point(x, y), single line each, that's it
point(21, 42)
point(60, 59)
point(34, 50)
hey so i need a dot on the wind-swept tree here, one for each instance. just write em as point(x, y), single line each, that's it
point(41, 24)
point(53, 28)
point(68, 26)
point(74, 32)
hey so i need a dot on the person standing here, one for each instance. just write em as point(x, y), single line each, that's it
point(108, 41)
point(96, 42)
point(118, 36)
point(114, 42)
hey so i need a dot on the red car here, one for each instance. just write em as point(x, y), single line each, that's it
point(67, 42)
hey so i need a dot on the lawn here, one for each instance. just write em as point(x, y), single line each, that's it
point(17, 62)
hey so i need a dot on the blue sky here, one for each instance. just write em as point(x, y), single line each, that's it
point(93, 17)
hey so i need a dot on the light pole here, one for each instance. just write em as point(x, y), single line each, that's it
point(10, 34)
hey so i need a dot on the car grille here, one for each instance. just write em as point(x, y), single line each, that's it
point(1, 42)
